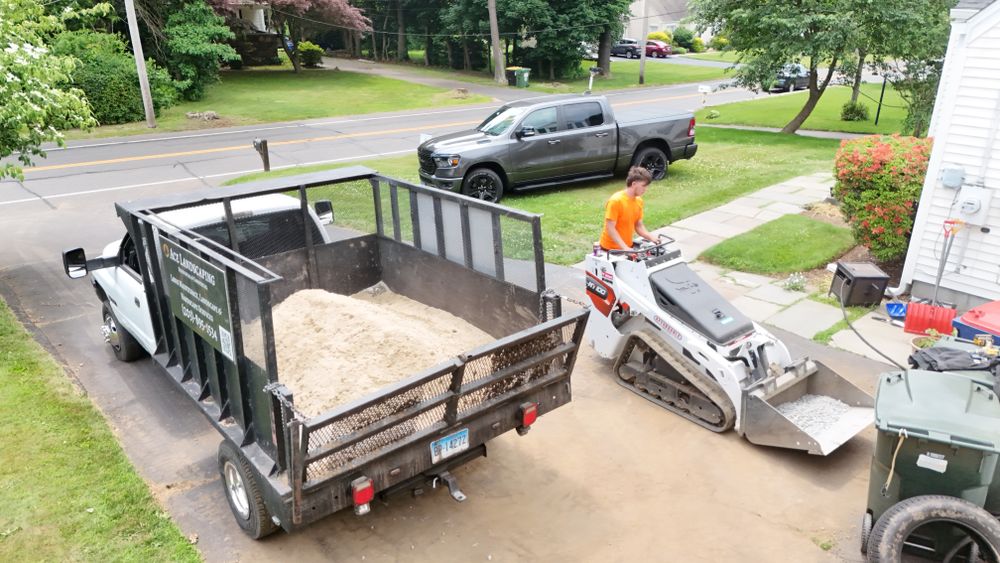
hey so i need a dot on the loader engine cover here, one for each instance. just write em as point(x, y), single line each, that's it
point(683, 294)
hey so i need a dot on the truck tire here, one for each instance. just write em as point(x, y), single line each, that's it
point(893, 528)
point(123, 344)
point(243, 493)
point(484, 184)
point(652, 159)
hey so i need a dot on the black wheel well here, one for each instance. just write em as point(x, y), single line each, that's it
point(492, 166)
point(101, 294)
point(658, 143)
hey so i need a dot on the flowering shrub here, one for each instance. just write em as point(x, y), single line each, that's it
point(878, 184)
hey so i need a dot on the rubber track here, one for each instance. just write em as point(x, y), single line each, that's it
point(703, 383)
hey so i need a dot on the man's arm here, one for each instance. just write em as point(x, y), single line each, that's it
point(609, 225)
point(641, 229)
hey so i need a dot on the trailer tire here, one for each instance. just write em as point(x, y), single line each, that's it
point(243, 493)
point(894, 526)
point(123, 344)
point(652, 159)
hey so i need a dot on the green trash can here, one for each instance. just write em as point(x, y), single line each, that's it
point(938, 434)
point(522, 77)
point(511, 74)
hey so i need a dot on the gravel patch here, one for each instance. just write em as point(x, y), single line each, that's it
point(814, 413)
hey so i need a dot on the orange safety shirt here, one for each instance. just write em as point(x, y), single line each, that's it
point(625, 211)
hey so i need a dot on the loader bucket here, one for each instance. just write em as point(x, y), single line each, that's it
point(794, 410)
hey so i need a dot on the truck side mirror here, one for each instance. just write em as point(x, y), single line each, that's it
point(75, 263)
point(526, 131)
point(324, 210)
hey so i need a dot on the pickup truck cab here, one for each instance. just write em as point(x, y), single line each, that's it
point(554, 140)
point(264, 225)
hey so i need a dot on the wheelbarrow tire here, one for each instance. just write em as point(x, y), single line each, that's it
point(243, 493)
point(894, 526)
point(866, 531)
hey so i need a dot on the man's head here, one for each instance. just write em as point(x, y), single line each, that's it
point(638, 180)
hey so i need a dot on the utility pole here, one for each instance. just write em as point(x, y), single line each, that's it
point(498, 62)
point(140, 64)
point(642, 42)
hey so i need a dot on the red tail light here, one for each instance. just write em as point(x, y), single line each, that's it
point(691, 128)
point(529, 414)
point(363, 491)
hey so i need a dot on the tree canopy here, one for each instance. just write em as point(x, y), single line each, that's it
point(37, 101)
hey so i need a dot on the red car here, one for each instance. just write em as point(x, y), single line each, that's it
point(658, 49)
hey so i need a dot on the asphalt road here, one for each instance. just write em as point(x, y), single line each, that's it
point(525, 502)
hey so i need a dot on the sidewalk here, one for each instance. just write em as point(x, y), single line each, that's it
point(762, 298)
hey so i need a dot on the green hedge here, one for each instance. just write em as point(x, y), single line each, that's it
point(310, 54)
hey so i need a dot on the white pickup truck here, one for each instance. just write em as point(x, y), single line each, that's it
point(264, 225)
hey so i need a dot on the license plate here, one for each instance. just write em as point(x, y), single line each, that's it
point(450, 445)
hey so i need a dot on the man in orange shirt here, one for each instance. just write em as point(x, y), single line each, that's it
point(623, 212)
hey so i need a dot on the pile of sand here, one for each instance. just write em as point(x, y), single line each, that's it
point(335, 348)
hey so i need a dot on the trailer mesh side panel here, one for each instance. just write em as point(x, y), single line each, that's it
point(341, 428)
point(491, 364)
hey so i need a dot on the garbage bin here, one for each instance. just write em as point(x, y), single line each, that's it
point(522, 77)
point(938, 434)
point(511, 73)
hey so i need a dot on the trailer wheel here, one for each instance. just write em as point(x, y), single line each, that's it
point(652, 159)
point(123, 344)
point(243, 493)
point(902, 519)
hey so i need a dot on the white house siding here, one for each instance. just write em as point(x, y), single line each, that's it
point(965, 130)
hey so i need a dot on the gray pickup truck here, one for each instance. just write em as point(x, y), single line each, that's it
point(554, 140)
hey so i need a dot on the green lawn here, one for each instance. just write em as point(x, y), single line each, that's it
point(261, 96)
point(625, 74)
point(719, 56)
point(777, 111)
point(791, 243)
point(729, 164)
point(67, 490)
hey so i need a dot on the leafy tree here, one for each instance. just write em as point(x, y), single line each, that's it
point(195, 47)
point(106, 73)
point(772, 34)
point(683, 37)
point(37, 102)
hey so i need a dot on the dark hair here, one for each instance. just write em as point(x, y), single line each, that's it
point(638, 174)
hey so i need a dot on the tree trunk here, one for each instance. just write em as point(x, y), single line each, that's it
point(466, 60)
point(498, 73)
point(604, 53)
point(401, 52)
point(815, 92)
point(552, 70)
point(449, 53)
point(428, 47)
point(862, 53)
point(385, 39)
point(374, 47)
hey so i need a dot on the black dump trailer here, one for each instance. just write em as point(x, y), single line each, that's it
point(481, 262)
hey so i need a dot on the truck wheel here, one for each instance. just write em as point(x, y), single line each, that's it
point(243, 494)
point(484, 184)
point(124, 345)
point(903, 518)
point(652, 159)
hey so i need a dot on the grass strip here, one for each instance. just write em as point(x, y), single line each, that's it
point(67, 490)
point(791, 243)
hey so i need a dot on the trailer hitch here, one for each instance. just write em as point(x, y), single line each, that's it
point(452, 483)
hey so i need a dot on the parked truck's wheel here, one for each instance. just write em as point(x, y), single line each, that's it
point(243, 493)
point(897, 524)
point(123, 344)
point(484, 184)
point(652, 159)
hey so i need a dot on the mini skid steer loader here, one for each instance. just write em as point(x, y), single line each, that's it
point(681, 345)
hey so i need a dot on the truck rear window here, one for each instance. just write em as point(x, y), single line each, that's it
point(264, 235)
